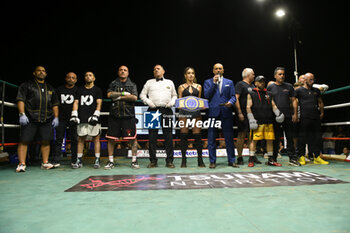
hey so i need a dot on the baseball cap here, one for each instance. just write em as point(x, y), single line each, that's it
point(260, 78)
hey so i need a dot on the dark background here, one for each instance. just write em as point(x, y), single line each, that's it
point(100, 36)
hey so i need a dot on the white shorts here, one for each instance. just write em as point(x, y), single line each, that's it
point(85, 129)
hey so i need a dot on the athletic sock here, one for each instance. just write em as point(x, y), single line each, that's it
point(251, 153)
point(80, 155)
point(97, 155)
point(134, 158)
point(111, 158)
point(270, 154)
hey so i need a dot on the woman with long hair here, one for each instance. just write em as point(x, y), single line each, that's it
point(190, 88)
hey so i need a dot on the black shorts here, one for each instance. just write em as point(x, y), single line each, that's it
point(121, 127)
point(43, 131)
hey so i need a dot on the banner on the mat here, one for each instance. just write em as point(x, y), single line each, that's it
point(190, 153)
point(201, 181)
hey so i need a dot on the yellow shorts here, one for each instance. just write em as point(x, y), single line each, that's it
point(264, 131)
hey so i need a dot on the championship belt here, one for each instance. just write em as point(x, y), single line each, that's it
point(191, 103)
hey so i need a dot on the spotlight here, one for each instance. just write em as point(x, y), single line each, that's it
point(280, 13)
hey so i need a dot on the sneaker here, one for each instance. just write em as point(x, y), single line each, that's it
point(294, 162)
point(319, 160)
point(21, 168)
point(135, 165)
point(109, 165)
point(54, 164)
point(302, 160)
point(77, 164)
point(251, 161)
point(46, 166)
point(97, 163)
point(240, 160)
point(273, 163)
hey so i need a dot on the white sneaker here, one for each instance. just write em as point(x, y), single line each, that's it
point(77, 164)
point(109, 165)
point(97, 164)
point(46, 166)
point(55, 165)
point(135, 165)
point(21, 168)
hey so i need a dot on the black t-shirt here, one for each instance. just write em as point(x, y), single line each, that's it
point(87, 102)
point(281, 94)
point(242, 88)
point(66, 98)
point(262, 107)
point(308, 101)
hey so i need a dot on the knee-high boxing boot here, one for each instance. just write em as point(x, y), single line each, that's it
point(183, 146)
point(199, 147)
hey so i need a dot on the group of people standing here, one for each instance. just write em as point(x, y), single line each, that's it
point(262, 114)
point(298, 113)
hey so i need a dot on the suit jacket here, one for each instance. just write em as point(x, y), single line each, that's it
point(212, 93)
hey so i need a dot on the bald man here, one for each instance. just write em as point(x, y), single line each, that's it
point(66, 95)
point(311, 114)
point(221, 95)
point(122, 121)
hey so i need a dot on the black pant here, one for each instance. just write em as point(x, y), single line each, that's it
point(167, 114)
point(287, 127)
point(72, 134)
point(310, 134)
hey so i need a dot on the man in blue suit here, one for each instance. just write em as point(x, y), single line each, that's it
point(221, 95)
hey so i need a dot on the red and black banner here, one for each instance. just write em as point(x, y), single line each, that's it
point(201, 181)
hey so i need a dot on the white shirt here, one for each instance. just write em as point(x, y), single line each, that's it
point(160, 94)
point(220, 83)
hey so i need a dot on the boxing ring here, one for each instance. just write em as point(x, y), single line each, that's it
point(6, 127)
point(346, 108)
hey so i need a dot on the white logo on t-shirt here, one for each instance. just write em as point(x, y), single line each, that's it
point(86, 100)
point(67, 99)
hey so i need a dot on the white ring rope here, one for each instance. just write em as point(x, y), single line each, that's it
point(9, 104)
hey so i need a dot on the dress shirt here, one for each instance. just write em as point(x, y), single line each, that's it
point(161, 93)
point(220, 83)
